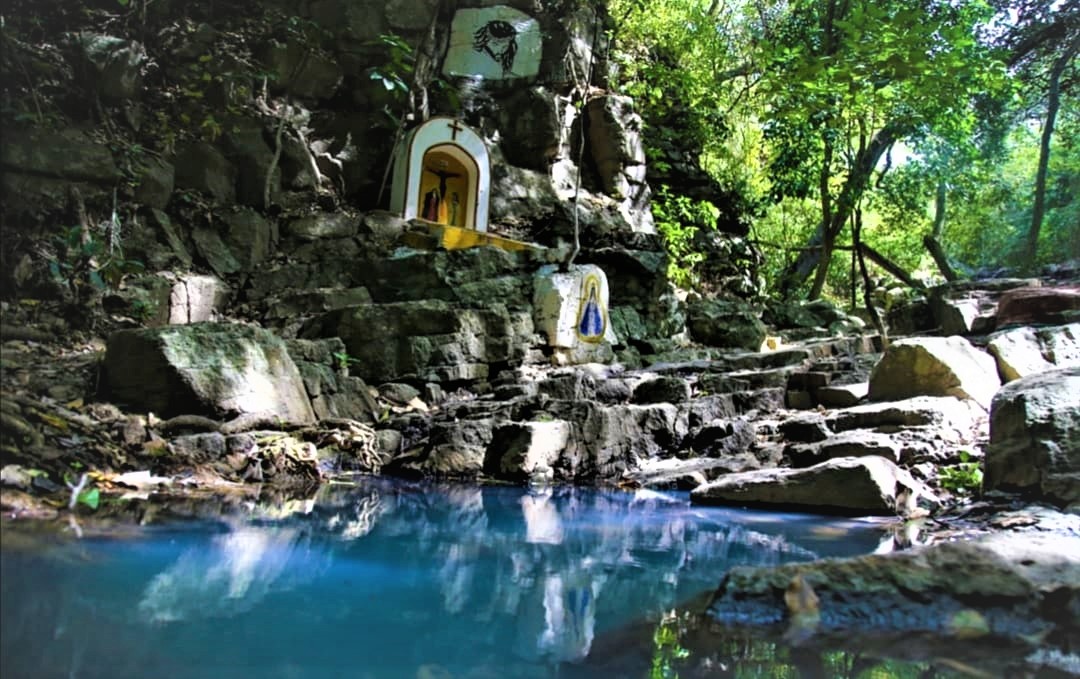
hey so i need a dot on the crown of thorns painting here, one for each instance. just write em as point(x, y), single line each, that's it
point(497, 39)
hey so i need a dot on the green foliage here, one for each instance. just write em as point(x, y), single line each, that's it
point(344, 361)
point(679, 219)
point(962, 478)
point(85, 263)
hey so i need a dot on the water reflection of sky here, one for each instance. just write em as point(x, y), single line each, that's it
point(385, 579)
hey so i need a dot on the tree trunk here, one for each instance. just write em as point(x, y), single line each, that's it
point(882, 261)
point(865, 162)
point(1053, 101)
point(868, 287)
point(933, 241)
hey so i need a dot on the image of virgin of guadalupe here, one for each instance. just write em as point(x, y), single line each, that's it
point(590, 324)
point(497, 39)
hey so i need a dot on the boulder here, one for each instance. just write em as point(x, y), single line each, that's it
point(723, 438)
point(195, 298)
point(301, 71)
point(608, 441)
point(115, 64)
point(960, 309)
point(202, 167)
point(531, 122)
point(66, 154)
point(526, 450)
point(322, 225)
point(1050, 305)
point(855, 486)
point(246, 148)
point(725, 323)
point(934, 366)
point(1021, 586)
point(687, 474)
point(218, 369)
point(1025, 350)
point(156, 179)
point(614, 135)
point(663, 389)
point(248, 235)
point(955, 419)
point(454, 449)
point(1035, 436)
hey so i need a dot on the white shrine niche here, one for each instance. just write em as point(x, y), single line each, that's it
point(493, 43)
point(571, 309)
point(442, 174)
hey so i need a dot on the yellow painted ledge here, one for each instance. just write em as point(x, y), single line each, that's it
point(458, 238)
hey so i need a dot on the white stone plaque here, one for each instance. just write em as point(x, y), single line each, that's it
point(493, 43)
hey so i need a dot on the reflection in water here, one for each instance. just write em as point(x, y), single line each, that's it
point(229, 576)
point(404, 576)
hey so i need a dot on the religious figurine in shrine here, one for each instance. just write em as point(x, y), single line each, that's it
point(436, 206)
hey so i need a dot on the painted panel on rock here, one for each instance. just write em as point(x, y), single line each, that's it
point(494, 43)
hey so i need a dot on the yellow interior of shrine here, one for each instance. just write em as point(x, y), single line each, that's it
point(447, 187)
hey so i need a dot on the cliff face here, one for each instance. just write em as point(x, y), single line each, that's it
point(149, 137)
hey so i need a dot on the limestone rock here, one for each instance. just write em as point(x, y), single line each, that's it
point(865, 485)
point(156, 180)
point(1035, 436)
point(249, 236)
point(247, 149)
point(302, 71)
point(663, 389)
point(607, 441)
point(323, 225)
point(202, 167)
point(523, 450)
point(1025, 350)
point(1051, 305)
point(725, 323)
point(724, 438)
point(454, 449)
point(115, 64)
point(215, 368)
point(614, 140)
point(531, 120)
point(687, 474)
point(428, 340)
point(1021, 586)
point(953, 418)
point(960, 310)
point(934, 366)
point(67, 154)
point(842, 395)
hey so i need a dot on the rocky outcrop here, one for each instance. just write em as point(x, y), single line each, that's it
point(214, 368)
point(934, 366)
point(865, 485)
point(1035, 436)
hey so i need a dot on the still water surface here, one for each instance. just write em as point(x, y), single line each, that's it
point(384, 579)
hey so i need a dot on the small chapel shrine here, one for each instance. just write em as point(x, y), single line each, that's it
point(442, 175)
